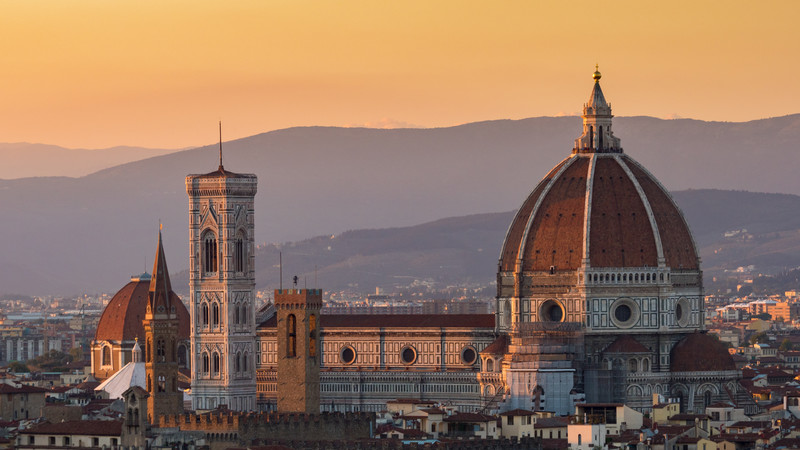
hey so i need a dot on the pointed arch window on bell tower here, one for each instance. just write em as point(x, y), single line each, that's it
point(209, 252)
point(238, 253)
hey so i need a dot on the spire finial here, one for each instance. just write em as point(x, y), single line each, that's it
point(220, 145)
point(596, 75)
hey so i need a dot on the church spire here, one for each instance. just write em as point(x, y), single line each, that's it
point(597, 136)
point(160, 286)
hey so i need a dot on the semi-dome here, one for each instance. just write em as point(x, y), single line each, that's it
point(598, 208)
point(122, 317)
point(699, 352)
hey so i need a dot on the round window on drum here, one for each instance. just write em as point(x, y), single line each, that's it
point(468, 355)
point(624, 313)
point(551, 311)
point(408, 355)
point(347, 354)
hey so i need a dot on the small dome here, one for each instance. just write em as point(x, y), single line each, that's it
point(699, 352)
point(122, 317)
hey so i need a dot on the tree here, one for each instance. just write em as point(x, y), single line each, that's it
point(759, 338)
point(786, 345)
point(18, 367)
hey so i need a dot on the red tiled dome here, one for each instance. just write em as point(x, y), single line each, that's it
point(122, 317)
point(699, 352)
point(620, 197)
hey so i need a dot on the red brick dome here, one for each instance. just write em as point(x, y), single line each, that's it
point(603, 207)
point(699, 352)
point(122, 317)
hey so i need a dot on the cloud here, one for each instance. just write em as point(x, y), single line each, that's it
point(384, 123)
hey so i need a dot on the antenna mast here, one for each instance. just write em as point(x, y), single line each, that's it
point(220, 144)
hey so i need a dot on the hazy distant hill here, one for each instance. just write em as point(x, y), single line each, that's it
point(463, 249)
point(90, 233)
point(21, 159)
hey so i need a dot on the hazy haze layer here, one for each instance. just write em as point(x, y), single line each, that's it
point(91, 233)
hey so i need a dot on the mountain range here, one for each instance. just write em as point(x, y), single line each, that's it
point(65, 235)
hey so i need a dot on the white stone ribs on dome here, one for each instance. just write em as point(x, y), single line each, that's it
point(535, 210)
point(519, 213)
point(587, 213)
point(647, 207)
point(675, 205)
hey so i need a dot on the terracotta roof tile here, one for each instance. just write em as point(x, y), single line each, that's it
point(122, 318)
point(626, 344)
point(79, 427)
point(498, 347)
point(23, 389)
point(400, 321)
point(699, 352)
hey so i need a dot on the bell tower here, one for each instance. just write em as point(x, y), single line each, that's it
point(222, 286)
point(298, 349)
point(161, 348)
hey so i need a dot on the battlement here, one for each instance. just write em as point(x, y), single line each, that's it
point(298, 298)
point(275, 426)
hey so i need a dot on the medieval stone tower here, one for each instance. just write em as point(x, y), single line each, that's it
point(161, 348)
point(222, 285)
point(298, 349)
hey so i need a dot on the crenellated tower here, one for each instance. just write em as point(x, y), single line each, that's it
point(298, 312)
point(161, 347)
point(222, 285)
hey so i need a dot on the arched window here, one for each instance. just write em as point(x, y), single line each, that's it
point(245, 367)
point(646, 365)
point(489, 365)
point(238, 253)
point(106, 355)
point(209, 252)
point(161, 350)
point(215, 315)
point(238, 362)
point(148, 350)
point(633, 365)
point(291, 336)
point(205, 363)
point(312, 335)
point(215, 366)
point(707, 398)
point(205, 314)
point(244, 313)
point(236, 314)
point(162, 383)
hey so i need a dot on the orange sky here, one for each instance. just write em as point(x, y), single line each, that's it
point(162, 73)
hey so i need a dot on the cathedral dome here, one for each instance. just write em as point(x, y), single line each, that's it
point(699, 352)
point(122, 317)
point(598, 208)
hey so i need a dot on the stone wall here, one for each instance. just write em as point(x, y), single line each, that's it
point(396, 444)
point(252, 428)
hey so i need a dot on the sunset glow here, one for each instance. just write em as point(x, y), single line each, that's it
point(161, 74)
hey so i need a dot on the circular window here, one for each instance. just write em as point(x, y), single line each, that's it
point(408, 355)
point(468, 355)
point(682, 312)
point(551, 311)
point(624, 313)
point(347, 355)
